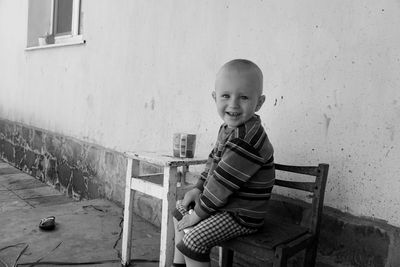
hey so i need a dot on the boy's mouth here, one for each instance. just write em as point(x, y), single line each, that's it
point(233, 114)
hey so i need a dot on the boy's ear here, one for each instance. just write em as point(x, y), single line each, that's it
point(261, 101)
point(214, 96)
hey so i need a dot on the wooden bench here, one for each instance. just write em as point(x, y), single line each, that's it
point(283, 235)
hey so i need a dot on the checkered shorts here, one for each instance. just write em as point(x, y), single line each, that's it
point(221, 226)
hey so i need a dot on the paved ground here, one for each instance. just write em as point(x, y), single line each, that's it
point(86, 231)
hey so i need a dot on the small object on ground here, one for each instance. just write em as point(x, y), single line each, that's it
point(48, 223)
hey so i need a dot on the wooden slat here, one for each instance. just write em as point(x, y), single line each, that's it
point(164, 159)
point(305, 186)
point(318, 201)
point(167, 225)
point(127, 232)
point(225, 257)
point(149, 188)
point(308, 170)
point(156, 178)
point(152, 175)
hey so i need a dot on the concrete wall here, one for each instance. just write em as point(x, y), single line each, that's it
point(147, 70)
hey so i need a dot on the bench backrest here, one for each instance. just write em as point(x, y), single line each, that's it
point(317, 188)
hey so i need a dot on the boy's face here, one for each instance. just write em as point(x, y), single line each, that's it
point(238, 96)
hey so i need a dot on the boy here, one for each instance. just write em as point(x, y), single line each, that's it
point(230, 197)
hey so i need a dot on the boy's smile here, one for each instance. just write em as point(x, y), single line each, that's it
point(237, 96)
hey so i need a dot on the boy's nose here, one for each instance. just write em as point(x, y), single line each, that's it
point(234, 103)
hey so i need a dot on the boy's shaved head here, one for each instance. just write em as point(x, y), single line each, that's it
point(242, 66)
point(238, 91)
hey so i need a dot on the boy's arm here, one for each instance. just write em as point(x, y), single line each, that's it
point(210, 159)
point(204, 174)
point(193, 194)
point(239, 162)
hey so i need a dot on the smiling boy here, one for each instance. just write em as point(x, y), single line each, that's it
point(230, 197)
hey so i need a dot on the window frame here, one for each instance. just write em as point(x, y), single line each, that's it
point(75, 37)
point(63, 38)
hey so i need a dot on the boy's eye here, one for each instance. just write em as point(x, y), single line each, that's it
point(244, 97)
point(225, 96)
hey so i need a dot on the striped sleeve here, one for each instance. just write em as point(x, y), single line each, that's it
point(210, 160)
point(239, 162)
point(204, 174)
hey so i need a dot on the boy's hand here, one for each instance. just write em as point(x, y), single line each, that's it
point(188, 220)
point(189, 197)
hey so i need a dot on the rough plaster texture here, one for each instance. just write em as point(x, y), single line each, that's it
point(147, 70)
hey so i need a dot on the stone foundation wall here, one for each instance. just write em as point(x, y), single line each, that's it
point(84, 170)
point(79, 169)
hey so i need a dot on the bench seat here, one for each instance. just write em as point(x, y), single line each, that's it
point(262, 244)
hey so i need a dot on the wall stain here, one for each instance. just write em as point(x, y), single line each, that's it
point(387, 153)
point(276, 101)
point(89, 101)
point(152, 103)
point(336, 102)
point(327, 122)
point(391, 130)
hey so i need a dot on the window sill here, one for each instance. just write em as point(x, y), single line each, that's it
point(76, 40)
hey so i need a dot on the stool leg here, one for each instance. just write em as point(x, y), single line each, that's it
point(311, 255)
point(225, 257)
point(280, 259)
point(167, 225)
point(127, 233)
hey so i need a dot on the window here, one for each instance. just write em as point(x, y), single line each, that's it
point(53, 22)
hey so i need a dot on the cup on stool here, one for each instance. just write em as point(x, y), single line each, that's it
point(184, 145)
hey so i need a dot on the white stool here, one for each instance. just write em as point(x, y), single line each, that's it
point(167, 193)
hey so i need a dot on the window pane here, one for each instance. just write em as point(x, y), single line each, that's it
point(63, 16)
point(39, 20)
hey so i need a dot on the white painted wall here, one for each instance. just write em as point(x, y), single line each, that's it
point(331, 79)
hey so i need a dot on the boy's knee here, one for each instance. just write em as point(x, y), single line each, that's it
point(194, 240)
point(193, 248)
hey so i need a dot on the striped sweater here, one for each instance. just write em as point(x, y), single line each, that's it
point(239, 174)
